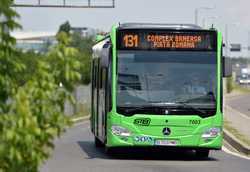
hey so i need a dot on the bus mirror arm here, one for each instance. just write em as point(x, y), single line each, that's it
point(226, 66)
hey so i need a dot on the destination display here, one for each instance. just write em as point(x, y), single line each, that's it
point(166, 40)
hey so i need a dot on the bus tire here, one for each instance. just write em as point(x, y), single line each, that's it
point(202, 153)
point(98, 143)
point(109, 150)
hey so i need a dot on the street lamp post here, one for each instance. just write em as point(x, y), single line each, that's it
point(196, 13)
point(226, 37)
point(226, 40)
point(248, 44)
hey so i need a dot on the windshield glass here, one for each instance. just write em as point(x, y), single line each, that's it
point(166, 77)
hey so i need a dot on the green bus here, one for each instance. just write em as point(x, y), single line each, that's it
point(158, 85)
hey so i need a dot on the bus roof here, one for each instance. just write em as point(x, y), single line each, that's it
point(159, 26)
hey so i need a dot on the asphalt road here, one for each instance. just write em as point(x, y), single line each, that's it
point(75, 152)
point(240, 103)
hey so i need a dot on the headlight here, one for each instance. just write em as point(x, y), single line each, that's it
point(211, 133)
point(120, 131)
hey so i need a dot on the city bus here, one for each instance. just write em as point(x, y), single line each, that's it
point(158, 85)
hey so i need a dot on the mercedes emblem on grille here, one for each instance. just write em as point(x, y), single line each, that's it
point(166, 131)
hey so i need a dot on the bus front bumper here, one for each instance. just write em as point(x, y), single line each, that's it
point(187, 141)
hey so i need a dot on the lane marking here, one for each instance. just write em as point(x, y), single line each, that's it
point(234, 153)
point(241, 114)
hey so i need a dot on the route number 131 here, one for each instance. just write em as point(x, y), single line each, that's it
point(131, 40)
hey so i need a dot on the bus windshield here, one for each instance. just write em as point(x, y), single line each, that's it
point(166, 77)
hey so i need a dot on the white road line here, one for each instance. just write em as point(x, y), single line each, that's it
point(241, 114)
point(233, 153)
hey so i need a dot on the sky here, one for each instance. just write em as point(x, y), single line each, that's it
point(233, 13)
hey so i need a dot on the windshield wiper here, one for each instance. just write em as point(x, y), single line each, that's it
point(177, 104)
point(185, 105)
point(130, 110)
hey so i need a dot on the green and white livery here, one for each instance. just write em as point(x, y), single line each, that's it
point(158, 85)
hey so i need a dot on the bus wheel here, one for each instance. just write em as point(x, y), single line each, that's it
point(98, 143)
point(109, 150)
point(202, 153)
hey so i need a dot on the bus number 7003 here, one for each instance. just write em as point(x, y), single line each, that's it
point(195, 122)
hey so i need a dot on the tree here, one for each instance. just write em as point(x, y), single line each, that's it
point(32, 98)
point(65, 27)
point(84, 46)
point(9, 65)
point(64, 60)
point(30, 60)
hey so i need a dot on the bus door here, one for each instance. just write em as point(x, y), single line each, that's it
point(103, 86)
point(96, 95)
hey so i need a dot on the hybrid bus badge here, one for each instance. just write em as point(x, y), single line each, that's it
point(166, 131)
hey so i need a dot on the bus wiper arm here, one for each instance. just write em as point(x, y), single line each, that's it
point(185, 105)
point(130, 109)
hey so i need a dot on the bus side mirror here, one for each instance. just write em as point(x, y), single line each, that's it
point(226, 66)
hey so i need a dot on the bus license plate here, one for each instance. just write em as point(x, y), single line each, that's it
point(166, 142)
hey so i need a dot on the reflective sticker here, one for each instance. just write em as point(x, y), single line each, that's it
point(143, 139)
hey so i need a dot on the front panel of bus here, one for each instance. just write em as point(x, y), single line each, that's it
point(166, 88)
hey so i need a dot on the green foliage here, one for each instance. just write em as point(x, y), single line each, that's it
point(28, 129)
point(30, 61)
point(64, 62)
point(84, 46)
point(33, 89)
point(7, 77)
point(85, 68)
point(65, 27)
point(241, 88)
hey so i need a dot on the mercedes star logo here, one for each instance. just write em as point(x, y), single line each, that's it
point(166, 131)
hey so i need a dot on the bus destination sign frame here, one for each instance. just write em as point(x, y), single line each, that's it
point(148, 39)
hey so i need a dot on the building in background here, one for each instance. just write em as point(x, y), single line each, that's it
point(38, 42)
